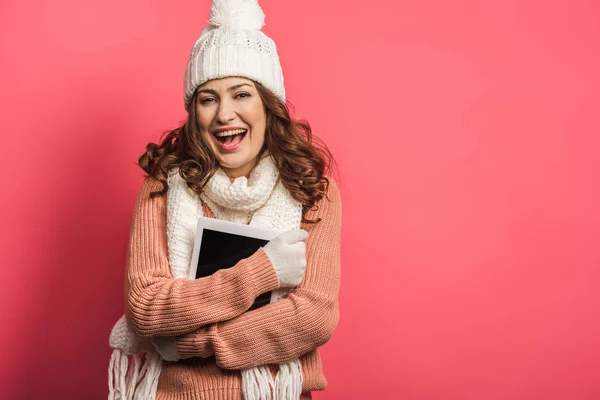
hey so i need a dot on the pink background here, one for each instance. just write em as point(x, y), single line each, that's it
point(467, 138)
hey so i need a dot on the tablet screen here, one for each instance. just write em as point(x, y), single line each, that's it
point(220, 250)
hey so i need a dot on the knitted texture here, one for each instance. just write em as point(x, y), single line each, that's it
point(242, 201)
point(233, 45)
point(216, 335)
point(183, 212)
point(236, 201)
point(183, 209)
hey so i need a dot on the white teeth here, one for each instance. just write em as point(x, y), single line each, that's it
point(230, 133)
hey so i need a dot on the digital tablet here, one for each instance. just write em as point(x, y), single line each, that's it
point(221, 244)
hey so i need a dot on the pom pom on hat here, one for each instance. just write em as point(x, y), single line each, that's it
point(241, 14)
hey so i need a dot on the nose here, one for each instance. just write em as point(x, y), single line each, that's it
point(226, 112)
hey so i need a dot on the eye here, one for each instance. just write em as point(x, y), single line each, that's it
point(242, 95)
point(206, 100)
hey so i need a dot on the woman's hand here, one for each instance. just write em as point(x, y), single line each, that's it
point(287, 253)
point(165, 345)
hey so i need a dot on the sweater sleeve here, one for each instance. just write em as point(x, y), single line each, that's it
point(157, 304)
point(291, 326)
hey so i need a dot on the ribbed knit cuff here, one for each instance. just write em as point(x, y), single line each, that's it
point(260, 268)
point(197, 344)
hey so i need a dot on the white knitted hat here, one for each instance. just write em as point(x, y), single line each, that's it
point(233, 45)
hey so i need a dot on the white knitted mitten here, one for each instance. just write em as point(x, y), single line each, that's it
point(165, 345)
point(287, 253)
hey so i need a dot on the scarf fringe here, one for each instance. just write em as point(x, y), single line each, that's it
point(289, 379)
point(133, 381)
point(257, 383)
point(149, 382)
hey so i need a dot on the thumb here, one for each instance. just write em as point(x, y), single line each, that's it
point(293, 236)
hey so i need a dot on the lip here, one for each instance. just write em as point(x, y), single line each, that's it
point(229, 148)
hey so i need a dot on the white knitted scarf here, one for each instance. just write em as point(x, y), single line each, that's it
point(261, 200)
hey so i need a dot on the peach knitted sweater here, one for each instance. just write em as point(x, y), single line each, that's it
point(215, 336)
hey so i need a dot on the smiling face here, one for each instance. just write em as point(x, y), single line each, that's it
point(232, 120)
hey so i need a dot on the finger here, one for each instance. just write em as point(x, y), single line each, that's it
point(298, 247)
point(293, 236)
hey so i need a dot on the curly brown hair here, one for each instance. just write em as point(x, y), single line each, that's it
point(298, 154)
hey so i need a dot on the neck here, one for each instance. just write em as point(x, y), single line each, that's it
point(244, 170)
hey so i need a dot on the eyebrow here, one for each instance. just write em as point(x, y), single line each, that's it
point(234, 87)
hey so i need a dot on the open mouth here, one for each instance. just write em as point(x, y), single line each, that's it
point(232, 137)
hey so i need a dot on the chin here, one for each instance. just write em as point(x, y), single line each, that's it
point(233, 161)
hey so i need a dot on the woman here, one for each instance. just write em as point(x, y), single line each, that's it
point(241, 158)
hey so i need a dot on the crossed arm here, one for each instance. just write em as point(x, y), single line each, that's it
point(157, 304)
point(208, 315)
point(292, 326)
